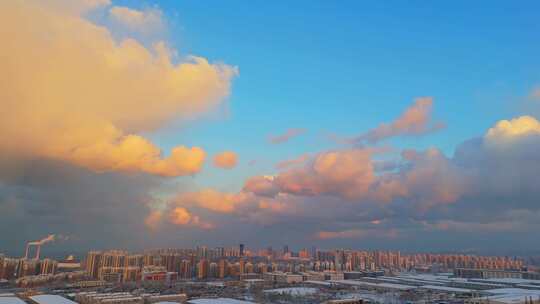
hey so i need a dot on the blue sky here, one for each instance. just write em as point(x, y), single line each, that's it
point(345, 67)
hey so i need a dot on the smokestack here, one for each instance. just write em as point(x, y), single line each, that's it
point(38, 250)
point(49, 238)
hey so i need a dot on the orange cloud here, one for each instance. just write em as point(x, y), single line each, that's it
point(182, 217)
point(86, 97)
point(177, 216)
point(226, 160)
point(415, 120)
point(212, 200)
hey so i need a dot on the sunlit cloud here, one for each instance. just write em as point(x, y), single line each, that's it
point(226, 160)
point(517, 127)
point(212, 200)
point(416, 120)
point(86, 98)
point(182, 217)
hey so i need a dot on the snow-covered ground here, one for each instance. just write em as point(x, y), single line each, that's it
point(294, 291)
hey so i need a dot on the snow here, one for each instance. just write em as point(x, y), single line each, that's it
point(376, 285)
point(11, 300)
point(444, 288)
point(218, 301)
point(51, 299)
point(296, 291)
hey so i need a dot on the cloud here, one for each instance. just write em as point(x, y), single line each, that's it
point(285, 137)
point(424, 178)
point(479, 183)
point(145, 21)
point(510, 129)
point(347, 173)
point(472, 227)
point(56, 197)
point(182, 217)
point(178, 216)
point(86, 98)
point(430, 179)
point(153, 219)
point(293, 162)
point(535, 94)
point(416, 120)
point(212, 200)
point(415, 197)
point(226, 160)
point(356, 234)
point(261, 185)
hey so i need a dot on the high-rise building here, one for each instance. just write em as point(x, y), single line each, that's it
point(202, 269)
point(27, 267)
point(222, 271)
point(8, 268)
point(93, 262)
point(241, 250)
point(48, 266)
point(242, 266)
point(202, 252)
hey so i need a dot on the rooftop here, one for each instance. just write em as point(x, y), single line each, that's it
point(219, 301)
point(51, 299)
point(11, 300)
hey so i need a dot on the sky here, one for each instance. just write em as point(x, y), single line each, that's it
point(377, 124)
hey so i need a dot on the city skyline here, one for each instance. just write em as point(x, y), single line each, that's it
point(393, 126)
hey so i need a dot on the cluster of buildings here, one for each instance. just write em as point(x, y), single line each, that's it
point(204, 263)
point(94, 297)
point(27, 272)
point(240, 275)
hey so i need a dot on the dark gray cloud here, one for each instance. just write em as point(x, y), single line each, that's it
point(40, 197)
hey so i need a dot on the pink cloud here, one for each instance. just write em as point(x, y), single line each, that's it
point(300, 160)
point(285, 137)
point(416, 120)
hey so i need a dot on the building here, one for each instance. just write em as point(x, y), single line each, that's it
point(282, 277)
point(48, 266)
point(218, 301)
point(473, 273)
point(158, 274)
point(346, 301)
point(175, 298)
point(50, 299)
point(93, 261)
